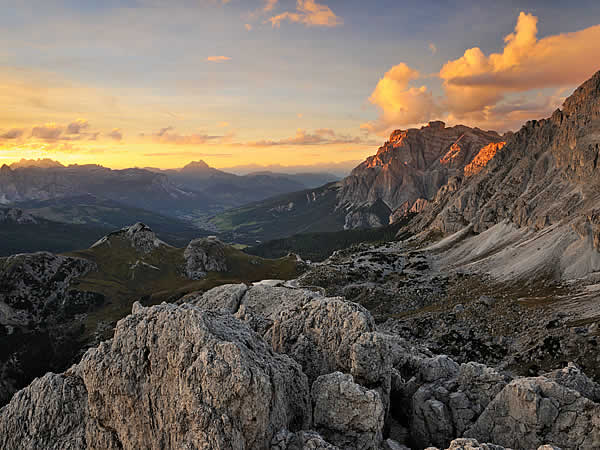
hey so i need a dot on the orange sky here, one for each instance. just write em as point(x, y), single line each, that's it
point(291, 82)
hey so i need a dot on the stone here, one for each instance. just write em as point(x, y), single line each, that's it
point(347, 414)
point(222, 298)
point(172, 377)
point(204, 255)
point(530, 412)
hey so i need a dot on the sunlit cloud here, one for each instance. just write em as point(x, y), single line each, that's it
point(13, 133)
point(167, 135)
point(223, 124)
point(269, 5)
point(432, 48)
point(400, 104)
point(309, 13)
point(77, 127)
point(322, 136)
point(248, 27)
point(218, 59)
point(478, 89)
point(116, 134)
point(190, 154)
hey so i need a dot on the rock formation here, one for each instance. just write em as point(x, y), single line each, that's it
point(413, 165)
point(138, 236)
point(16, 216)
point(204, 255)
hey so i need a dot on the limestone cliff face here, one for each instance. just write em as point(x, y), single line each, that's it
point(413, 165)
point(546, 174)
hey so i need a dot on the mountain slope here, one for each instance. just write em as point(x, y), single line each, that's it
point(134, 187)
point(413, 165)
point(536, 203)
point(95, 212)
point(53, 307)
point(306, 211)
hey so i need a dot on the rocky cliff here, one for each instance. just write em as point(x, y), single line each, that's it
point(415, 163)
point(545, 181)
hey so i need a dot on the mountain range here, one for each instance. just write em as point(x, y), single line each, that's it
point(473, 327)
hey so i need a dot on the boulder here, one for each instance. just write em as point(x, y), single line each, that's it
point(530, 412)
point(204, 255)
point(172, 377)
point(347, 414)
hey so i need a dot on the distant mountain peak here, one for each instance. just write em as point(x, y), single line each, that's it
point(140, 236)
point(41, 163)
point(196, 166)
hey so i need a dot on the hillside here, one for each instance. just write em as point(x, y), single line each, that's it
point(300, 212)
point(96, 212)
point(56, 306)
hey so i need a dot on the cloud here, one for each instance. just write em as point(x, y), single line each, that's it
point(479, 88)
point(309, 13)
point(400, 104)
point(223, 124)
point(432, 48)
point(248, 27)
point(269, 5)
point(13, 133)
point(218, 59)
point(48, 132)
point(191, 154)
point(322, 136)
point(167, 136)
point(116, 134)
point(77, 127)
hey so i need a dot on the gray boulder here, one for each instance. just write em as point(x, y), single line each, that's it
point(530, 412)
point(347, 414)
point(204, 255)
point(172, 377)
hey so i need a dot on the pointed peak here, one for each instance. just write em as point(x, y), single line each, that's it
point(140, 236)
point(195, 166)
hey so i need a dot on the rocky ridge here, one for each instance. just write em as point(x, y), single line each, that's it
point(533, 208)
point(412, 166)
point(229, 369)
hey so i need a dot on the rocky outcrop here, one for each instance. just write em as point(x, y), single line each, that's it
point(16, 216)
point(530, 412)
point(347, 414)
point(447, 398)
point(138, 236)
point(482, 158)
point(172, 377)
point(546, 180)
point(370, 215)
point(413, 165)
point(37, 285)
point(204, 255)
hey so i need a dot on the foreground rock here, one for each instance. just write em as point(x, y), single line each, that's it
point(346, 414)
point(530, 412)
point(172, 377)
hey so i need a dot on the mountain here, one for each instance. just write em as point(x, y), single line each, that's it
point(54, 306)
point(45, 163)
point(311, 210)
point(134, 187)
point(400, 179)
point(99, 213)
point(413, 165)
point(230, 190)
point(533, 210)
point(476, 328)
point(21, 232)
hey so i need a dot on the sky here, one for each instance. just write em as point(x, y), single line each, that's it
point(275, 82)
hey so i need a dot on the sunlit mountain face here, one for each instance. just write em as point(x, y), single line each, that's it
point(317, 84)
